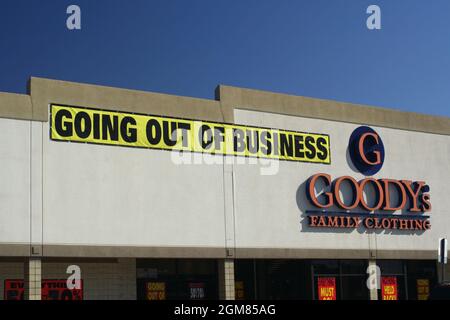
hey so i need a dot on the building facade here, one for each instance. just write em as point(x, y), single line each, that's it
point(253, 195)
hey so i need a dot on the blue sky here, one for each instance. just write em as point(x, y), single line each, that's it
point(313, 48)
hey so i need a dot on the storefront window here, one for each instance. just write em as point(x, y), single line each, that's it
point(354, 287)
point(170, 279)
point(273, 279)
point(421, 277)
point(393, 280)
point(245, 279)
point(413, 279)
point(353, 267)
point(391, 267)
point(340, 279)
point(326, 267)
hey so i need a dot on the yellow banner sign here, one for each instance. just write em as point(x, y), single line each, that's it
point(77, 124)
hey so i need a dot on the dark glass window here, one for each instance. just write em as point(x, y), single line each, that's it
point(421, 278)
point(354, 266)
point(354, 288)
point(273, 279)
point(391, 267)
point(177, 279)
point(245, 279)
point(326, 266)
point(350, 277)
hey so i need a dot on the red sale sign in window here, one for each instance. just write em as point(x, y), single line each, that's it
point(327, 288)
point(51, 290)
point(57, 290)
point(13, 290)
point(389, 290)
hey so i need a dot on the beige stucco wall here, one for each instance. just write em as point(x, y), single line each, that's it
point(270, 209)
point(81, 200)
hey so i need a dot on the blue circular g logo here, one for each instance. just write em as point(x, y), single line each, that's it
point(366, 150)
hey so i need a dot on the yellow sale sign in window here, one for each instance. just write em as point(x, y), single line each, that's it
point(156, 291)
point(423, 289)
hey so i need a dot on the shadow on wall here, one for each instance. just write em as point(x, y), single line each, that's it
point(349, 161)
point(304, 205)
